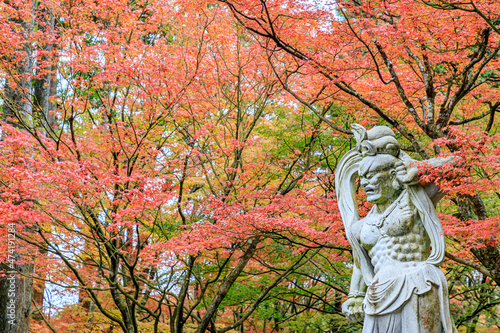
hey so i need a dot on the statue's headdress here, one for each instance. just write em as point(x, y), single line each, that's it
point(378, 140)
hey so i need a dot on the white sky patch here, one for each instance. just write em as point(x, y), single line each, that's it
point(56, 298)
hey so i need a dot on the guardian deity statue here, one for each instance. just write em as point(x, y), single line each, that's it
point(396, 285)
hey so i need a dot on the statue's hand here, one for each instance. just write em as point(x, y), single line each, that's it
point(405, 174)
point(353, 309)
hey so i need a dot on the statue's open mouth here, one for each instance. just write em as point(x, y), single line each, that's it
point(370, 191)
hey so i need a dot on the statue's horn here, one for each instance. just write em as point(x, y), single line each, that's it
point(359, 132)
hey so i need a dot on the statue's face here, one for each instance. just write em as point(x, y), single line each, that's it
point(377, 174)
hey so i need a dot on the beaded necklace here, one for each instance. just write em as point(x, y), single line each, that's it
point(388, 211)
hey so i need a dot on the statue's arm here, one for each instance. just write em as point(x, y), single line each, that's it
point(353, 306)
point(358, 286)
point(407, 173)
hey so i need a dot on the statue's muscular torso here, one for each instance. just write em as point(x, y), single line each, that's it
point(394, 238)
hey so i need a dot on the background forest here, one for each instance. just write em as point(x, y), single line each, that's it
point(168, 165)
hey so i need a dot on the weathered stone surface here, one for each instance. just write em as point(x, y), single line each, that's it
point(396, 285)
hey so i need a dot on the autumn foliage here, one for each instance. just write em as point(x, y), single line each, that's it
point(169, 165)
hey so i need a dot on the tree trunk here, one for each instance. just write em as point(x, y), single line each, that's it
point(45, 85)
point(38, 293)
point(226, 285)
point(489, 255)
point(15, 300)
point(16, 291)
point(471, 328)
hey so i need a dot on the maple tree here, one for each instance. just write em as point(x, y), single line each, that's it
point(137, 181)
point(429, 69)
point(171, 163)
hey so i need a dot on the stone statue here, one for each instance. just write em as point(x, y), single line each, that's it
point(396, 285)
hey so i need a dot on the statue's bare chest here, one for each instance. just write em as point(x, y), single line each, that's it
point(399, 222)
point(397, 236)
